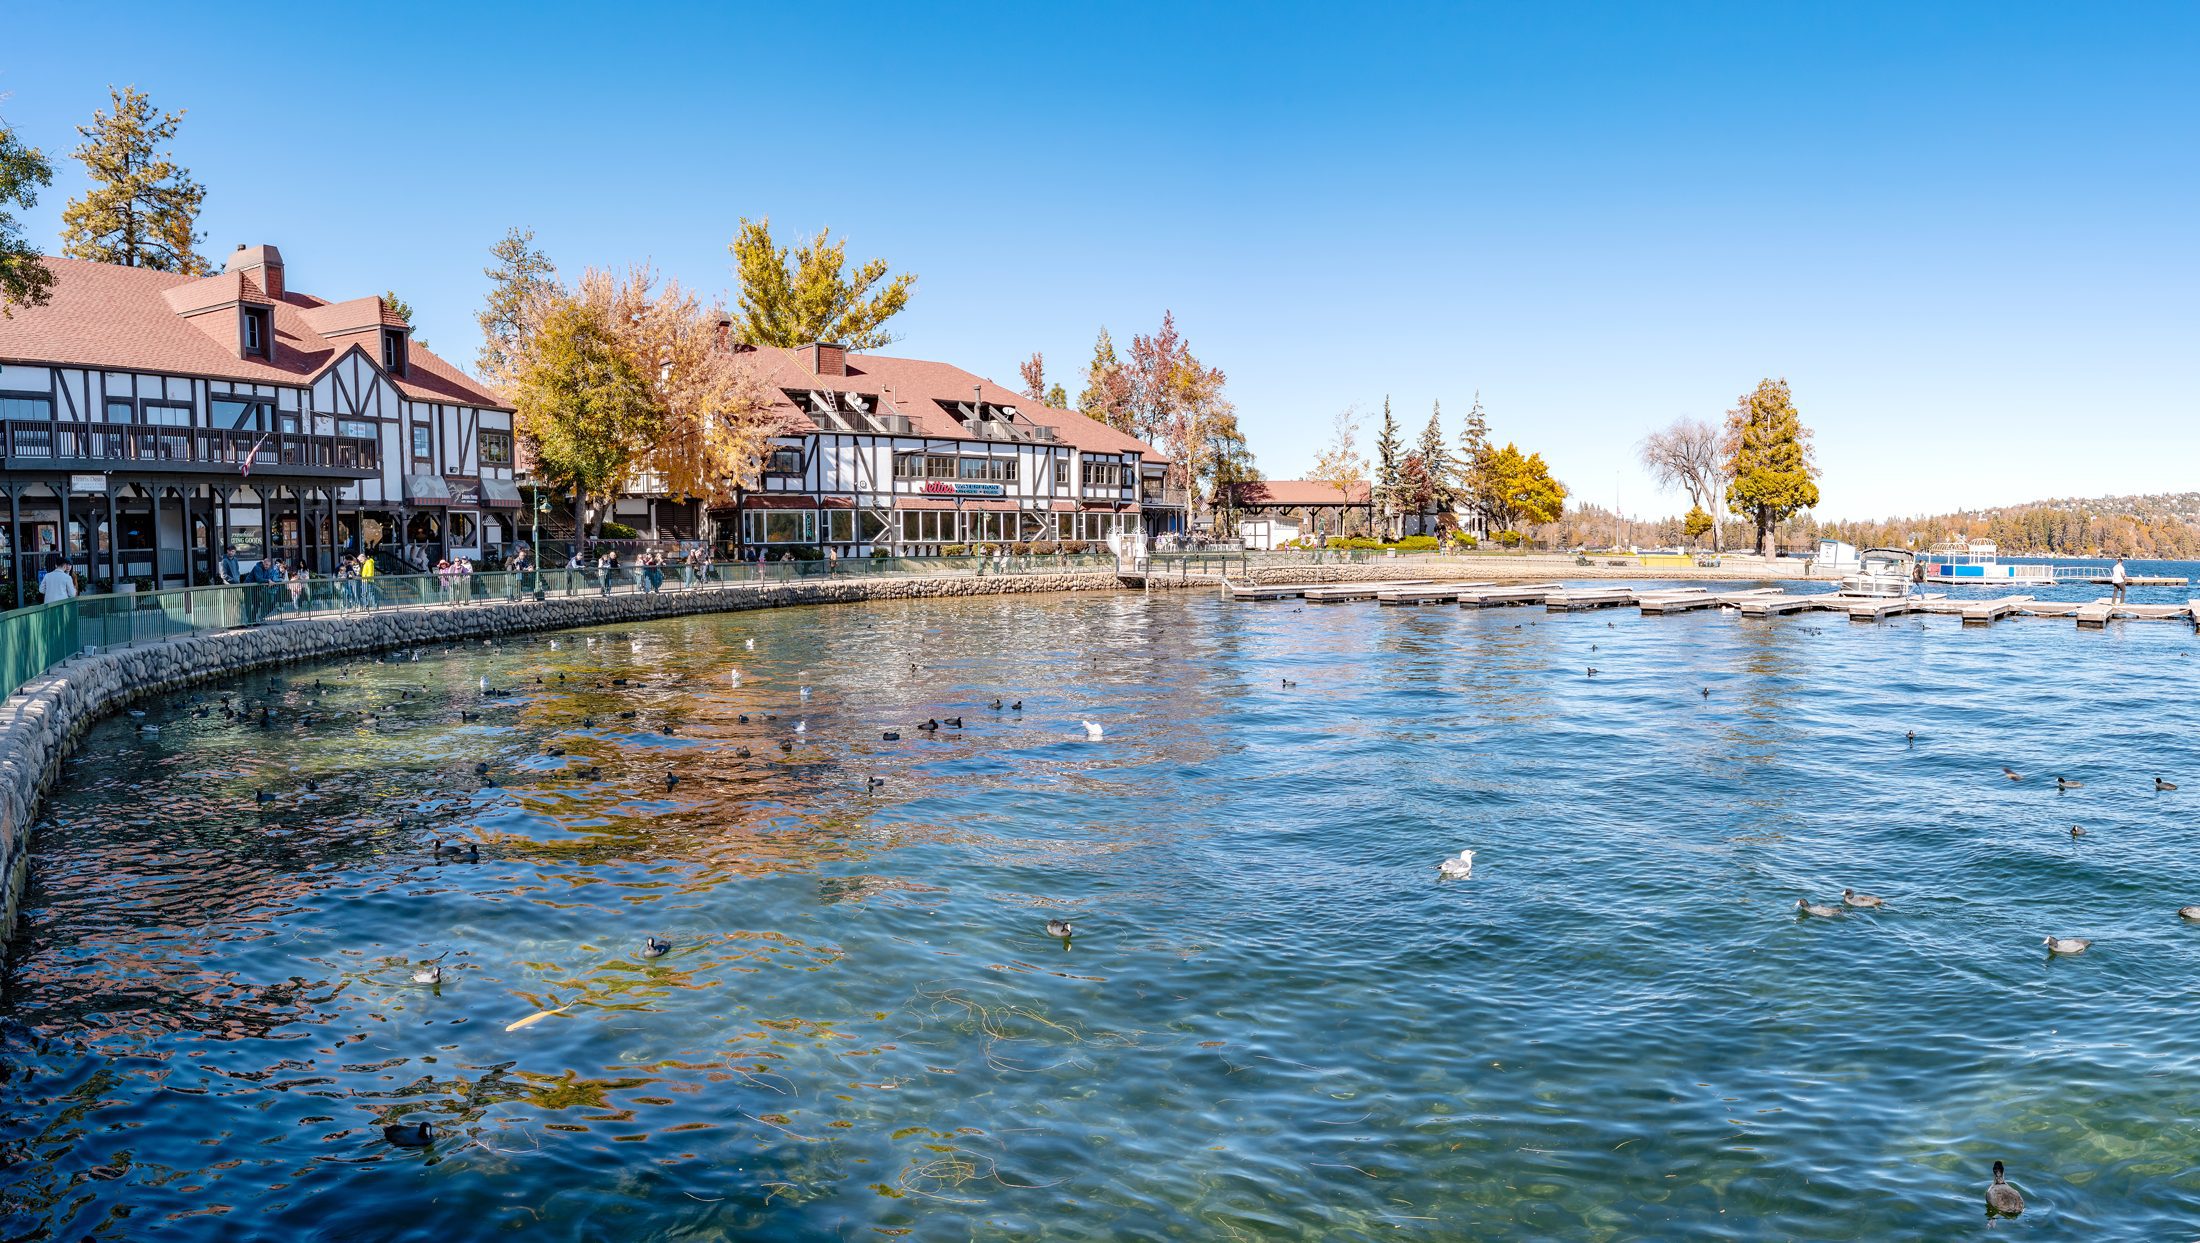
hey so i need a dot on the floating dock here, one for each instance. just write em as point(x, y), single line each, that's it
point(1753, 602)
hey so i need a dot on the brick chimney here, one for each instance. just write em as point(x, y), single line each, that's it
point(263, 263)
point(826, 359)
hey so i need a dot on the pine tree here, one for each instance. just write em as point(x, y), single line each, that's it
point(1769, 460)
point(404, 311)
point(815, 298)
point(521, 277)
point(1389, 464)
point(1436, 463)
point(1107, 396)
point(1474, 462)
point(142, 209)
point(1057, 397)
point(25, 280)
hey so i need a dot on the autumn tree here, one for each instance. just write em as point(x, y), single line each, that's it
point(519, 280)
point(1339, 464)
point(1109, 390)
point(1387, 493)
point(582, 402)
point(1034, 372)
point(1686, 455)
point(1768, 460)
point(1177, 403)
point(812, 295)
point(1521, 490)
point(1057, 397)
point(25, 280)
point(1696, 523)
point(141, 210)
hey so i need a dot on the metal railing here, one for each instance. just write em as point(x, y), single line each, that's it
point(35, 639)
point(42, 441)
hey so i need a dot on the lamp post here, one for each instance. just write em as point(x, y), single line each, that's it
point(534, 533)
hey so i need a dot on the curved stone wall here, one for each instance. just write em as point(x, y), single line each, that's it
point(44, 719)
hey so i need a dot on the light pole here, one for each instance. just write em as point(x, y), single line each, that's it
point(534, 535)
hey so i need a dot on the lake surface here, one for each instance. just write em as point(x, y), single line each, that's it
point(1273, 1022)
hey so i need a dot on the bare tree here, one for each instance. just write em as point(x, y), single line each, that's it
point(1686, 456)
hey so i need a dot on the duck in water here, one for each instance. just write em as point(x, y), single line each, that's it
point(654, 948)
point(1059, 928)
point(2002, 1199)
point(410, 1134)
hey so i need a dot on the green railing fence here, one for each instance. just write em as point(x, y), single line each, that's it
point(33, 640)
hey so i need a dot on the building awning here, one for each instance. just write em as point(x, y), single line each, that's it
point(500, 493)
point(427, 490)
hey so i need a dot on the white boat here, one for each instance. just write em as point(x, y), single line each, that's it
point(1881, 572)
point(1978, 563)
point(1837, 557)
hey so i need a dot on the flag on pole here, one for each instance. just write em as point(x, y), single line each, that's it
point(254, 453)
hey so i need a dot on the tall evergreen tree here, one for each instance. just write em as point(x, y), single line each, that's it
point(1437, 463)
point(1474, 462)
point(521, 277)
point(25, 280)
point(816, 296)
point(1108, 393)
point(142, 209)
point(404, 311)
point(1389, 470)
point(1057, 397)
point(1769, 459)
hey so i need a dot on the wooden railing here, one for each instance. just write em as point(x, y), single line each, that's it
point(29, 443)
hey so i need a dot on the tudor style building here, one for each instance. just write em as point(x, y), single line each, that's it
point(150, 421)
point(908, 456)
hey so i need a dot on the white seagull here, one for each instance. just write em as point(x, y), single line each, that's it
point(751, 644)
point(802, 727)
point(1092, 729)
point(805, 692)
point(1460, 868)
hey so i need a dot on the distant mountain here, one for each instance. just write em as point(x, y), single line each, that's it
point(2162, 525)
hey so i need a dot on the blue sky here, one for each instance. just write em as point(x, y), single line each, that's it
point(1965, 233)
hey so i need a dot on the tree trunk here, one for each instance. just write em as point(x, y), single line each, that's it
point(1764, 533)
point(580, 520)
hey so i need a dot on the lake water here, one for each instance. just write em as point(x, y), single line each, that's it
point(1273, 1022)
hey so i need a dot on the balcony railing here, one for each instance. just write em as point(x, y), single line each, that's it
point(1165, 496)
point(52, 444)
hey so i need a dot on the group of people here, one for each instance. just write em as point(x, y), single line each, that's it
point(649, 568)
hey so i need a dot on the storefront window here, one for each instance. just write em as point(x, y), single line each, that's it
point(463, 527)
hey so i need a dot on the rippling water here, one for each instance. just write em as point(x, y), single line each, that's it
point(1272, 1021)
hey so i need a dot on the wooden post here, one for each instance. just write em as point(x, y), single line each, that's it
point(114, 538)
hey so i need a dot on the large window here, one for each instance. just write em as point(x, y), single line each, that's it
point(357, 429)
point(25, 406)
point(781, 526)
point(945, 466)
point(784, 462)
point(1103, 474)
point(840, 526)
point(240, 414)
point(496, 447)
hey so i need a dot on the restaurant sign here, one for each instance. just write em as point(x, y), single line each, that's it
point(87, 483)
point(464, 491)
point(938, 487)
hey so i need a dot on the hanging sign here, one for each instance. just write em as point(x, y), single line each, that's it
point(87, 483)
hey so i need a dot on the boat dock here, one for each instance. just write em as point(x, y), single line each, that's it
point(1751, 602)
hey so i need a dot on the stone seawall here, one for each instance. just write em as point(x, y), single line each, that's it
point(44, 719)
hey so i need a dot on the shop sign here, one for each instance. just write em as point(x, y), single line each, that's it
point(87, 483)
point(940, 487)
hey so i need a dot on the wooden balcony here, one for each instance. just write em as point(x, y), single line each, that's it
point(52, 445)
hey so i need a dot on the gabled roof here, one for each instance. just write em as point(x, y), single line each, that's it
point(1288, 492)
point(132, 319)
point(916, 388)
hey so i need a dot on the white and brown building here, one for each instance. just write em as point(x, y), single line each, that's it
point(909, 456)
point(150, 422)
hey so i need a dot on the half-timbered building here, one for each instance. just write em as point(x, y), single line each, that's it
point(909, 457)
point(155, 427)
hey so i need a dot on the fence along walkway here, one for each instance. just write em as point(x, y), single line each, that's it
point(35, 639)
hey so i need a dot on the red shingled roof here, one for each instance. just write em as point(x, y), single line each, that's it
point(915, 387)
point(1287, 492)
point(132, 319)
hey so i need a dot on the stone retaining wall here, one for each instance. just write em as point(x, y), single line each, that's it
point(45, 718)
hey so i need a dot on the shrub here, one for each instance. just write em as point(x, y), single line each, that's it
point(1464, 540)
point(987, 550)
point(1416, 543)
point(1043, 547)
point(880, 554)
point(1075, 546)
point(619, 530)
point(1510, 539)
point(955, 550)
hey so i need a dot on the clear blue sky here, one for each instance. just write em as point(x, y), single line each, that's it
point(1964, 232)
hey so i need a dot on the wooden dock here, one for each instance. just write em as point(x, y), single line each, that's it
point(1339, 593)
point(1575, 599)
point(1433, 593)
point(1987, 612)
point(1499, 597)
point(1686, 599)
point(1779, 604)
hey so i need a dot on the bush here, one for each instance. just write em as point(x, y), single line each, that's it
point(1416, 543)
point(955, 550)
point(1464, 540)
point(1043, 548)
point(1510, 539)
point(987, 550)
point(1075, 546)
point(880, 554)
point(619, 530)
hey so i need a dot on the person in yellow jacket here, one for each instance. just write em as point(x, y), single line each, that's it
point(366, 581)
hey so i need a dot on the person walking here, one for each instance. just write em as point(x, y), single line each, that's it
point(368, 596)
point(2118, 580)
point(57, 583)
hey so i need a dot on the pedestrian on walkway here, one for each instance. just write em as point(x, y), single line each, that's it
point(57, 583)
point(2119, 579)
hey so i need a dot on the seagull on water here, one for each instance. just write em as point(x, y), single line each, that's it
point(750, 644)
point(1093, 730)
point(1460, 868)
point(2066, 945)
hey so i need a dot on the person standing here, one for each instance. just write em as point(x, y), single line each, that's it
point(2118, 580)
point(367, 596)
point(298, 583)
point(57, 583)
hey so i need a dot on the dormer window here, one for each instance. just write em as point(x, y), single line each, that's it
point(256, 334)
point(393, 351)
